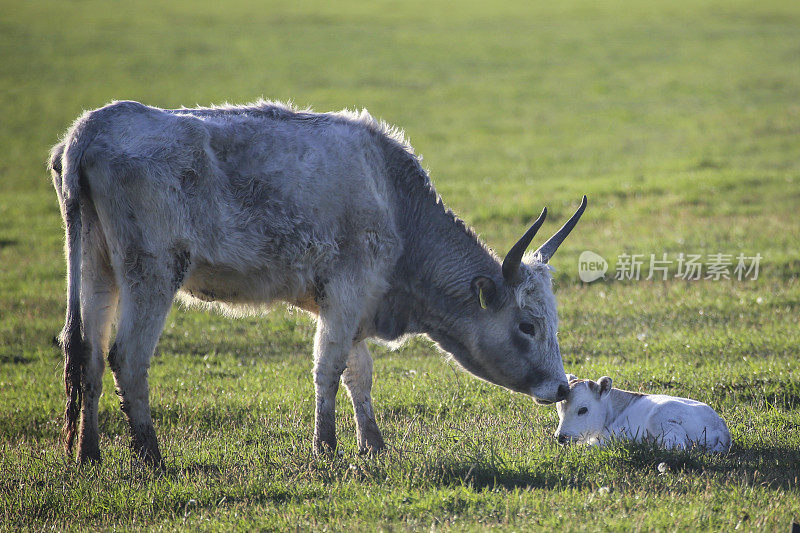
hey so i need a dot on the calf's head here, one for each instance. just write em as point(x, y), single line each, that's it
point(585, 412)
point(512, 338)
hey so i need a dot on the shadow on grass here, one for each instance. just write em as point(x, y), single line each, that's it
point(774, 466)
point(14, 360)
point(436, 462)
point(489, 476)
point(628, 463)
point(193, 469)
point(480, 466)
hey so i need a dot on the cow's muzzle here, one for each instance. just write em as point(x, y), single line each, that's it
point(561, 394)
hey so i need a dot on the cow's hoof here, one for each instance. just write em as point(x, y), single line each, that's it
point(155, 465)
point(151, 458)
point(372, 444)
point(372, 451)
point(89, 456)
point(324, 448)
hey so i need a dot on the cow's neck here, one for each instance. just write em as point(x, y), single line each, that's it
point(441, 256)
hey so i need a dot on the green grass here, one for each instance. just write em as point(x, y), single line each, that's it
point(679, 119)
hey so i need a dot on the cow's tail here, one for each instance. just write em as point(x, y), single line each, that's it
point(65, 163)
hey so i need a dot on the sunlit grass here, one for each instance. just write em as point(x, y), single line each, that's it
point(679, 120)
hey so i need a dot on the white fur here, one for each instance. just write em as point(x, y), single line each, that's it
point(617, 414)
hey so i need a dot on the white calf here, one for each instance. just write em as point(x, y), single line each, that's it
point(594, 412)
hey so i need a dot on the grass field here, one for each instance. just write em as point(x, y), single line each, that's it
point(681, 122)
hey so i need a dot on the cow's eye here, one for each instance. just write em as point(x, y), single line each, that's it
point(583, 410)
point(527, 329)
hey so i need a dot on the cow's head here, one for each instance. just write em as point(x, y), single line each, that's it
point(513, 335)
point(582, 416)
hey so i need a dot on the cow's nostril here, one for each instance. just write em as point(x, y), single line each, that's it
point(563, 392)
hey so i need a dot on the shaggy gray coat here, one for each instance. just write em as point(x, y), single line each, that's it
point(238, 207)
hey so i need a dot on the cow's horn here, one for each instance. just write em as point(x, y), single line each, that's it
point(546, 251)
point(514, 256)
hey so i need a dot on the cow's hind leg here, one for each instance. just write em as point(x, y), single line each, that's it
point(98, 306)
point(357, 378)
point(145, 299)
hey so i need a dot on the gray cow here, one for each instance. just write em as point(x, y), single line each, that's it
point(234, 208)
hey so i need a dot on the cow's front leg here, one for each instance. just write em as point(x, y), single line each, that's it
point(332, 344)
point(357, 379)
point(345, 299)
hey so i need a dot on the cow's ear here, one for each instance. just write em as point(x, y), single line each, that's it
point(485, 290)
point(571, 377)
point(605, 385)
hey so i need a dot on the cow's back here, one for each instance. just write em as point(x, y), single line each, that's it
point(250, 192)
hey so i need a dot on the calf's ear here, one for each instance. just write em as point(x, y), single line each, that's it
point(605, 385)
point(485, 291)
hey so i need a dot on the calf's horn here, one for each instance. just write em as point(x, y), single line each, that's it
point(546, 251)
point(514, 256)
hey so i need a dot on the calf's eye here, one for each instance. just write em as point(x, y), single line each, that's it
point(527, 329)
point(583, 410)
